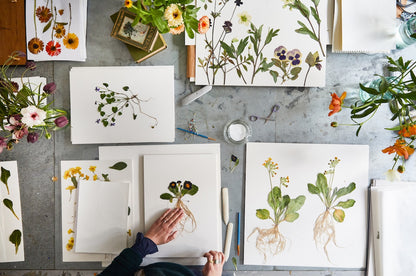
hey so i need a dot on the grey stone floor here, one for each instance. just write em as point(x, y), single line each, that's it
point(302, 119)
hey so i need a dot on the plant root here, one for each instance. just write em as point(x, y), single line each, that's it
point(324, 231)
point(188, 216)
point(269, 241)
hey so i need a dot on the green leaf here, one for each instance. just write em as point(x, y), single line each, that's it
point(227, 49)
point(302, 8)
point(16, 238)
point(358, 130)
point(315, 15)
point(291, 217)
point(346, 204)
point(262, 213)
point(339, 215)
point(313, 189)
point(274, 74)
point(369, 90)
point(193, 190)
point(166, 196)
point(114, 109)
point(105, 176)
point(368, 111)
point(273, 198)
point(4, 177)
point(47, 26)
point(296, 204)
point(128, 211)
point(105, 84)
point(119, 166)
point(383, 85)
point(125, 88)
point(241, 46)
point(410, 96)
point(345, 190)
point(322, 184)
point(234, 259)
point(305, 30)
point(9, 204)
point(174, 190)
point(295, 71)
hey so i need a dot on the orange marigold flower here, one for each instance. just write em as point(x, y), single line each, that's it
point(71, 41)
point(59, 30)
point(336, 103)
point(177, 30)
point(400, 148)
point(35, 45)
point(44, 14)
point(203, 25)
point(408, 131)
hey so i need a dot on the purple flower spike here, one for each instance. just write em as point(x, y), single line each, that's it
point(31, 65)
point(20, 54)
point(50, 88)
point(32, 137)
point(61, 121)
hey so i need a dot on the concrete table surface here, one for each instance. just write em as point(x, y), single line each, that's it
point(302, 118)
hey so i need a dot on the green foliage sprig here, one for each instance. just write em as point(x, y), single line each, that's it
point(4, 177)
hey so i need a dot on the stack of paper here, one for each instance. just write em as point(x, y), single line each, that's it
point(56, 30)
point(11, 230)
point(393, 225)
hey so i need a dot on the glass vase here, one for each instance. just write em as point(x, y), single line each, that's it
point(406, 29)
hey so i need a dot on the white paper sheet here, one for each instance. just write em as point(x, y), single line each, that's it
point(8, 221)
point(102, 212)
point(201, 170)
point(69, 201)
point(153, 85)
point(301, 163)
point(227, 26)
point(42, 23)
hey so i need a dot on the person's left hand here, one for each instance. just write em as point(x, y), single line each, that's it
point(161, 231)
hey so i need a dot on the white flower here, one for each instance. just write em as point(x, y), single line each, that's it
point(392, 175)
point(33, 116)
point(245, 18)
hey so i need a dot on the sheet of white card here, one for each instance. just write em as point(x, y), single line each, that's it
point(152, 84)
point(8, 222)
point(270, 14)
point(136, 153)
point(78, 25)
point(302, 163)
point(201, 170)
point(101, 225)
point(69, 201)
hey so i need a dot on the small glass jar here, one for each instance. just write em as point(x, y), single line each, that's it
point(237, 132)
point(406, 29)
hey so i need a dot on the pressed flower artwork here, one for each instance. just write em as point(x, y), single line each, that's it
point(54, 29)
point(281, 49)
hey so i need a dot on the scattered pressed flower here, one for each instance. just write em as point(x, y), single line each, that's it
point(129, 232)
point(177, 30)
point(32, 137)
point(234, 162)
point(281, 53)
point(92, 168)
point(20, 54)
point(128, 3)
point(59, 30)
point(204, 24)
point(173, 15)
point(61, 121)
point(49, 88)
point(172, 184)
point(70, 231)
point(227, 26)
point(238, 2)
point(53, 48)
point(70, 188)
point(244, 18)
point(294, 57)
point(187, 185)
point(33, 116)
point(71, 41)
point(35, 45)
point(44, 14)
point(336, 103)
point(401, 148)
point(95, 177)
point(31, 65)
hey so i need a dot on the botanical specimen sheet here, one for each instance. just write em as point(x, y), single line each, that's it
point(189, 182)
point(56, 30)
point(11, 230)
point(122, 104)
point(306, 205)
point(263, 43)
point(136, 153)
point(72, 172)
point(393, 227)
point(102, 213)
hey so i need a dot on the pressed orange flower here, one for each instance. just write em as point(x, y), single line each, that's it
point(400, 148)
point(95, 177)
point(128, 3)
point(87, 177)
point(71, 41)
point(408, 131)
point(336, 103)
point(61, 12)
point(92, 168)
point(203, 25)
point(67, 174)
point(59, 30)
point(53, 48)
point(35, 45)
point(177, 30)
point(70, 231)
point(70, 188)
point(44, 14)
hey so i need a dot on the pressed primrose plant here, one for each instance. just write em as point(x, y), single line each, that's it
point(324, 229)
point(284, 209)
point(177, 192)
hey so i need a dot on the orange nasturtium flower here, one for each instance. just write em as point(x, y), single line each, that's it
point(408, 131)
point(400, 148)
point(336, 103)
point(203, 24)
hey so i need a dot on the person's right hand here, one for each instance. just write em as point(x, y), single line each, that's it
point(162, 230)
point(215, 262)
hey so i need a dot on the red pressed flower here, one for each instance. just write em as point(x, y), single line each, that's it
point(336, 103)
point(400, 148)
point(53, 48)
point(408, 131)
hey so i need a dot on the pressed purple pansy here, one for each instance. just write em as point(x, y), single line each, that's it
point(294, 57)
point(238, 2)
point(227, 26)
point(281, 53)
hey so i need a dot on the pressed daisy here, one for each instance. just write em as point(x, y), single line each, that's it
point(128, 3)
point(173, 15)
point(244, 18)
point(59, 30)
point(71, 41)
point(203, 24)
point(35, 45)
point(44, 14)
point(53, 48)
point(177, 30)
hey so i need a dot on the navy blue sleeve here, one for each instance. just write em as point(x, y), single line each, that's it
point(127, 263)
point(144, 246)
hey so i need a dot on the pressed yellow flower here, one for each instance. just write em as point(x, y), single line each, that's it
point(67, 174)
point(173, 15)
point(71, 240)
point(86, 177)
point(129, 232)
point(70, 231)
point(59, 30)
point(128, 3)
point(92, 168)
point(71, 41)
point(35, 45)
point(70, 188)
point(95, 177)
point(69, 246)
point(245, 18)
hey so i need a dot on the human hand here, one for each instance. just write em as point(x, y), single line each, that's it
point(215, 262)
point(161, 231)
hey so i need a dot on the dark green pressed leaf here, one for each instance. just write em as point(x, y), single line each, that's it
point(315, 15)
point(369, 90)
point(295, 70)
point(274, 74)
point(105, 176)
point(322, 184)
point(346, 190)
point(193, 190)
point(383, 85)
point(128, 211)
point(105, 84)
point(365, 113)
point(16, 238)
point(346, 204)
point(358, 130)
point(227, 49)
point(285, 201)
point(166, 196)
point(9, 204)
point(74, 181)
point(410, 96)
point(119, 166)
point(313, 189)
point(241, 46)
point(114, 109)
point(125, 88)
point(47, 26)
point(4, 177)
point(262, 213)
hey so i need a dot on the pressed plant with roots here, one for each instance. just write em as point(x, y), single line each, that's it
point(324, 228)
point(178, 191)
point(271, 240)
